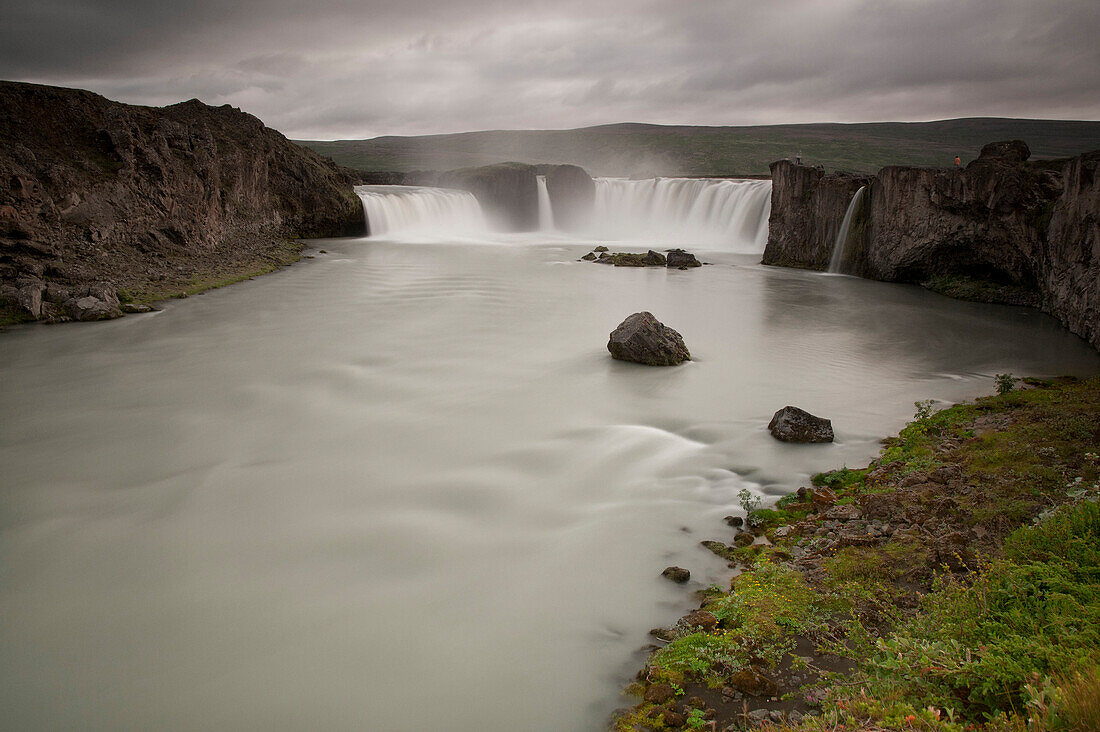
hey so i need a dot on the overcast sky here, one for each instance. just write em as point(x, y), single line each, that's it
point(331, 69)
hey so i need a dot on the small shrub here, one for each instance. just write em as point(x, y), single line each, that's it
point(1005, 383)
point(750, 504)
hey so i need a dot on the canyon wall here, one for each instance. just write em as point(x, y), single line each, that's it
point(999, 230)
point(98, 197)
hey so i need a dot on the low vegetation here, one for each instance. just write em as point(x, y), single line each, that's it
point(951, 585)
point(647, 150)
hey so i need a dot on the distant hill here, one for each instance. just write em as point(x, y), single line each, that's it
point(642, 149)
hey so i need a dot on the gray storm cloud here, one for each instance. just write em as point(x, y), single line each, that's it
point(346, 69)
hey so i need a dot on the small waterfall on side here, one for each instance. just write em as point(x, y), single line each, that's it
point(728, 215)
point(433, 213)
point(546, 213)
point(836, 263)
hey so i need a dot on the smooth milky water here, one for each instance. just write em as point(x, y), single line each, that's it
point(404, 487)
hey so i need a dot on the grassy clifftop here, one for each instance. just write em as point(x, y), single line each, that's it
point(951, 585)
point(641, 149)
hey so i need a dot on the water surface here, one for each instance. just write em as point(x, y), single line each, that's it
point(404, 486)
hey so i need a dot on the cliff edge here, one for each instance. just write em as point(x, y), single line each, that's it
point(999, 230)
point(100, 199)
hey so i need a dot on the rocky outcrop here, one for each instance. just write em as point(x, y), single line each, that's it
point(98, 194)
point(1069, 254)
point(642, 338)
point(791, 424)
point(630, 259)
point(572, 195)
point(807, 208)
point(508, 193)
point(679, 259)
point(1000, 230)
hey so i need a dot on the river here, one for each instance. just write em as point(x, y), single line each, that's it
point(403, 486)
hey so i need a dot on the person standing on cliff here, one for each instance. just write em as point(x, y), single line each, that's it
point(958, 161)
point(798, 158)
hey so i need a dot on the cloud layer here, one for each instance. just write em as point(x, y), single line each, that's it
point(352, 69)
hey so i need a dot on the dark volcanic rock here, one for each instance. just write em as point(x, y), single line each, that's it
point(1000, 230)
point(754, 682)
point(698, 620)
point(151, 199)
point(1010, 152)
point(681, 259)
point(590, 257)
point(678, 575)
point(631, 259)
point(808, 206)
point(508, 193)
point(642, 338)
point(572, 194)
point(791, 424)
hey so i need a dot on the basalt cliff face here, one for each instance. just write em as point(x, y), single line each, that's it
point(99, 197)
point(1001, 229)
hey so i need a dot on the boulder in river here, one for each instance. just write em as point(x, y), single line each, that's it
point(642, 338)
point(679, 575)
point(678, 258)
point(791, 424)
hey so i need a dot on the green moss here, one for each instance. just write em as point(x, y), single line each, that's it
point(11, 314)
point(285, 252)
point(962, 287)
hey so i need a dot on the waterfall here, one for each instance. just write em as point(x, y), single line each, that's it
point(730, 215)
point(836, 263)
point(546, 214)
point(423, 212)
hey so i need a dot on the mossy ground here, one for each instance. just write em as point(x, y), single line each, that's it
point(975, 290)
point(283, 253)
point(952, 585)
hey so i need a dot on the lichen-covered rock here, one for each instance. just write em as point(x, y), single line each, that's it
point(791, 424)
point(642, 338)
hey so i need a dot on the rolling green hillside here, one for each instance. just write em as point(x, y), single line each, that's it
point(640, 149)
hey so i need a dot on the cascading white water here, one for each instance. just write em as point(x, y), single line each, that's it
point(546, 214)
point(836, 263)
point(730, 215)
point(400, 211)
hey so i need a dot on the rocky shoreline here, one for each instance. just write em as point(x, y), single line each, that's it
point(868, 600)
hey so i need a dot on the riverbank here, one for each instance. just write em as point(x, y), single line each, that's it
point(949, 585)
point(112, 204)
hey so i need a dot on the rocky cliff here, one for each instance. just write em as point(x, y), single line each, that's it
point(807, 208)
point(508, 193)
point(999, 230)
point(572, 195)
point(99, 198)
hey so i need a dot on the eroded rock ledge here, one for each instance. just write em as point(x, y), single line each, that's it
point(100, 199)
point(1000, 230)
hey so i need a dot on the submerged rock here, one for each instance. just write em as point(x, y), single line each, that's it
point(791, 424)
point(642, 338)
